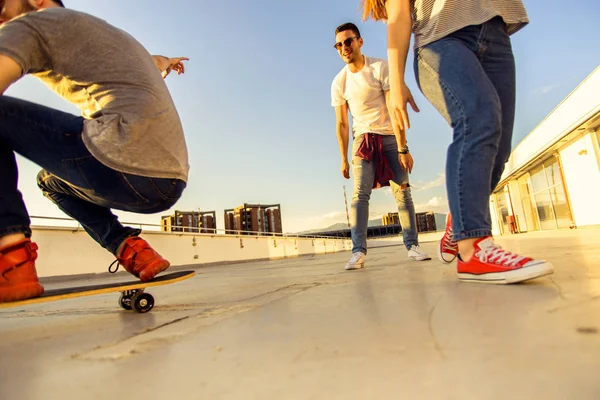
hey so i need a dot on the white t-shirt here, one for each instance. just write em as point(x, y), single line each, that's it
point(364, 91)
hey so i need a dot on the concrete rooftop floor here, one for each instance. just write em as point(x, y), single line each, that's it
point(306, 329)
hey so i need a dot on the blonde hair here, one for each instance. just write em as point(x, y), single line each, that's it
point(374, 9)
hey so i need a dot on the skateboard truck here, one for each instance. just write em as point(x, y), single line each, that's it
point(136, 300)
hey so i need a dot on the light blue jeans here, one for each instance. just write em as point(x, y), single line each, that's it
point(469, 77)
point(364, 175)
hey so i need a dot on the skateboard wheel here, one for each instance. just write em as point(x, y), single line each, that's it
point(125, 302)
point(143, 302)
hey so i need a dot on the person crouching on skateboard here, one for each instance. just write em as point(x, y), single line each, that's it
point(127, 151)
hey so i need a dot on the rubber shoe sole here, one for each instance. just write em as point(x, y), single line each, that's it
point(21, 291)
point(419, 258)
point(450, 257)
point(355, 266)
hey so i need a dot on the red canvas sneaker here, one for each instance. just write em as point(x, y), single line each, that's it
point(491, 264)
point(141, 260)
point(448, 248)
point(18, 277)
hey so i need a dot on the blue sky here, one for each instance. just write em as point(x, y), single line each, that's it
point(255, 99)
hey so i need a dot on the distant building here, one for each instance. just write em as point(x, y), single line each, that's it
point(253, 219)
point(190, 221)
point(390, 219)
point(552, 179)
point(425, 221)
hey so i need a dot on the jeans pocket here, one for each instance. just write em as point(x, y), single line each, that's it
point(167, 189)
point(133, 189)
point(74, 171)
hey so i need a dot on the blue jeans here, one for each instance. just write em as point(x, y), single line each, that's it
point(80, 185)
point(364, 175)
point(469, 77)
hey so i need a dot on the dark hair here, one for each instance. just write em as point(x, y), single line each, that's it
point(348, 26)
point(59, 2)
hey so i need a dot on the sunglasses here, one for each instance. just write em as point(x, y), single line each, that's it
point(347, 43)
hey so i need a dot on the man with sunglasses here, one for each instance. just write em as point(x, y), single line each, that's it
point(380, 155)
point(127, 151)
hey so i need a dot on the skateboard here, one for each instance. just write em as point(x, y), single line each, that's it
point(132, 297)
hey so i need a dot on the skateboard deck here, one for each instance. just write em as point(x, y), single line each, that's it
point(132, 297)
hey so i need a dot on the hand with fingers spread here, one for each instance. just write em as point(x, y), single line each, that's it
point(399, 97)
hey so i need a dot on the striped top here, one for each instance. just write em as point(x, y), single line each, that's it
point(435, 19)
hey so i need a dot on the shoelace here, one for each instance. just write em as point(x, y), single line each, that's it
point(355, 257)
point(499, 256)
point(448, 241)
point(111, 265)
point(417, 250)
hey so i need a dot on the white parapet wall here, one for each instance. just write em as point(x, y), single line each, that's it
point(70, 251)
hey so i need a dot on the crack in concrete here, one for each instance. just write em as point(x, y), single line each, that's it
point(577, 304)
point(165, 324)
point(436, 344)
point(559, 288)
point(303, 287)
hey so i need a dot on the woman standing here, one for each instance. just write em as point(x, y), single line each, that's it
point(464, 66)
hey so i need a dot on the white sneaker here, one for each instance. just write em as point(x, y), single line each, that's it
point(415, 253)
point(357, 261)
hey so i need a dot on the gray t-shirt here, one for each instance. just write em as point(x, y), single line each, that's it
point(131, 124)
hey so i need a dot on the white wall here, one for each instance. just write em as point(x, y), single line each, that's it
point(494, 217)
point(517, 205)
point(69, 251)
point(579, 106)
point(582, 176)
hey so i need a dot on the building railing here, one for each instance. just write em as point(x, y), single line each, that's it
point(178, 230)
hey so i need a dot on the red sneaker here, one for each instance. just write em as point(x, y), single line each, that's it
point(492, 264)
point(448, 248)
point(18, 277)
point(141, 260)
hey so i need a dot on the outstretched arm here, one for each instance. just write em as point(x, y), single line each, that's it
point(10, 72)
point(399, 31)
point(166, 65)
